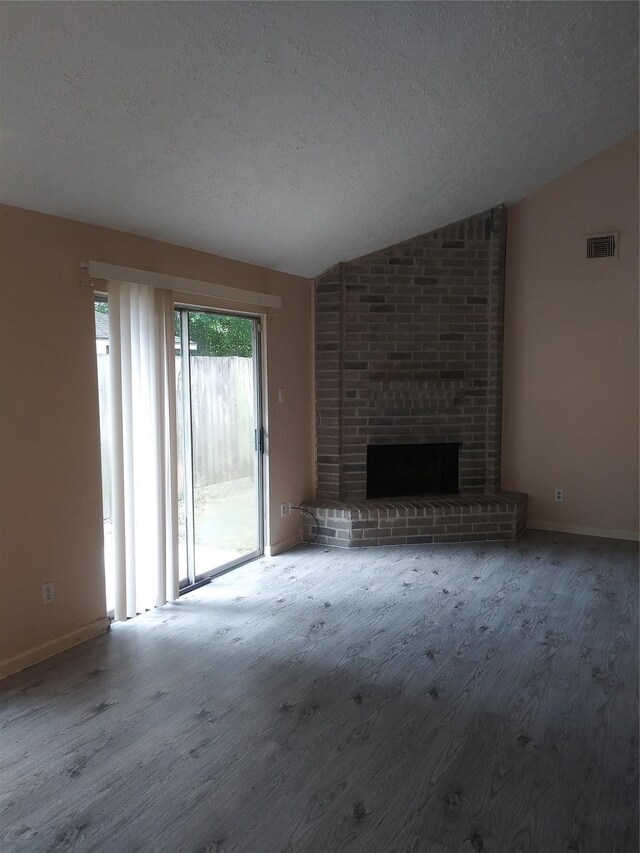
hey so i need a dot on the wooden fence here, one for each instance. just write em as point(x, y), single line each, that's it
point(223, 421)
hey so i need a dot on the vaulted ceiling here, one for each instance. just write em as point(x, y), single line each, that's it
point(295, 135)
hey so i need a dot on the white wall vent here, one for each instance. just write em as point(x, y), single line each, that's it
point(603, 245)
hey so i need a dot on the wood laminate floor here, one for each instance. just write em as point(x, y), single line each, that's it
point(428, 699)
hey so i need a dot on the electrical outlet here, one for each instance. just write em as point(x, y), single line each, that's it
point(559, 495)
point(290, 507)
point(47, 593)
point(283, 510)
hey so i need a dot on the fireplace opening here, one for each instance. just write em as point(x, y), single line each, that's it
point(396, 470)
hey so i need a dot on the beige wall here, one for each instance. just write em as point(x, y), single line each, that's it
point(571, 349)
point(50, 498)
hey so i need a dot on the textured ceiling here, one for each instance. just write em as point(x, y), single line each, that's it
point(295, 135)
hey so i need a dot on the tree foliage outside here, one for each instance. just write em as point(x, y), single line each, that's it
point(213, 334)
point(217, 334)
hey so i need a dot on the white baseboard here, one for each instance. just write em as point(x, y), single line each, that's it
point(284, 545)
point(53, 647)
point(605, 532)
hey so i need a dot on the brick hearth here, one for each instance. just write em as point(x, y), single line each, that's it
point(414, 521)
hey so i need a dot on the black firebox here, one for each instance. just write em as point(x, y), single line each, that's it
point(395, 470)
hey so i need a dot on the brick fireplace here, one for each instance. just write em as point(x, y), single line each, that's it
point(409, 352)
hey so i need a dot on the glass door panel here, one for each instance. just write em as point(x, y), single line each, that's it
point(101, 317)
point(218, 427)
point(182, 415)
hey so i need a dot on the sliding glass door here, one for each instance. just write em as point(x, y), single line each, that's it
point(219, 442)
point(219, 432)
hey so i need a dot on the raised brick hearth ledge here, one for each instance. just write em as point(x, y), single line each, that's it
point(412, 521)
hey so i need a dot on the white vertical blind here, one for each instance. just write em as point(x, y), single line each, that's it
point(144, 459)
